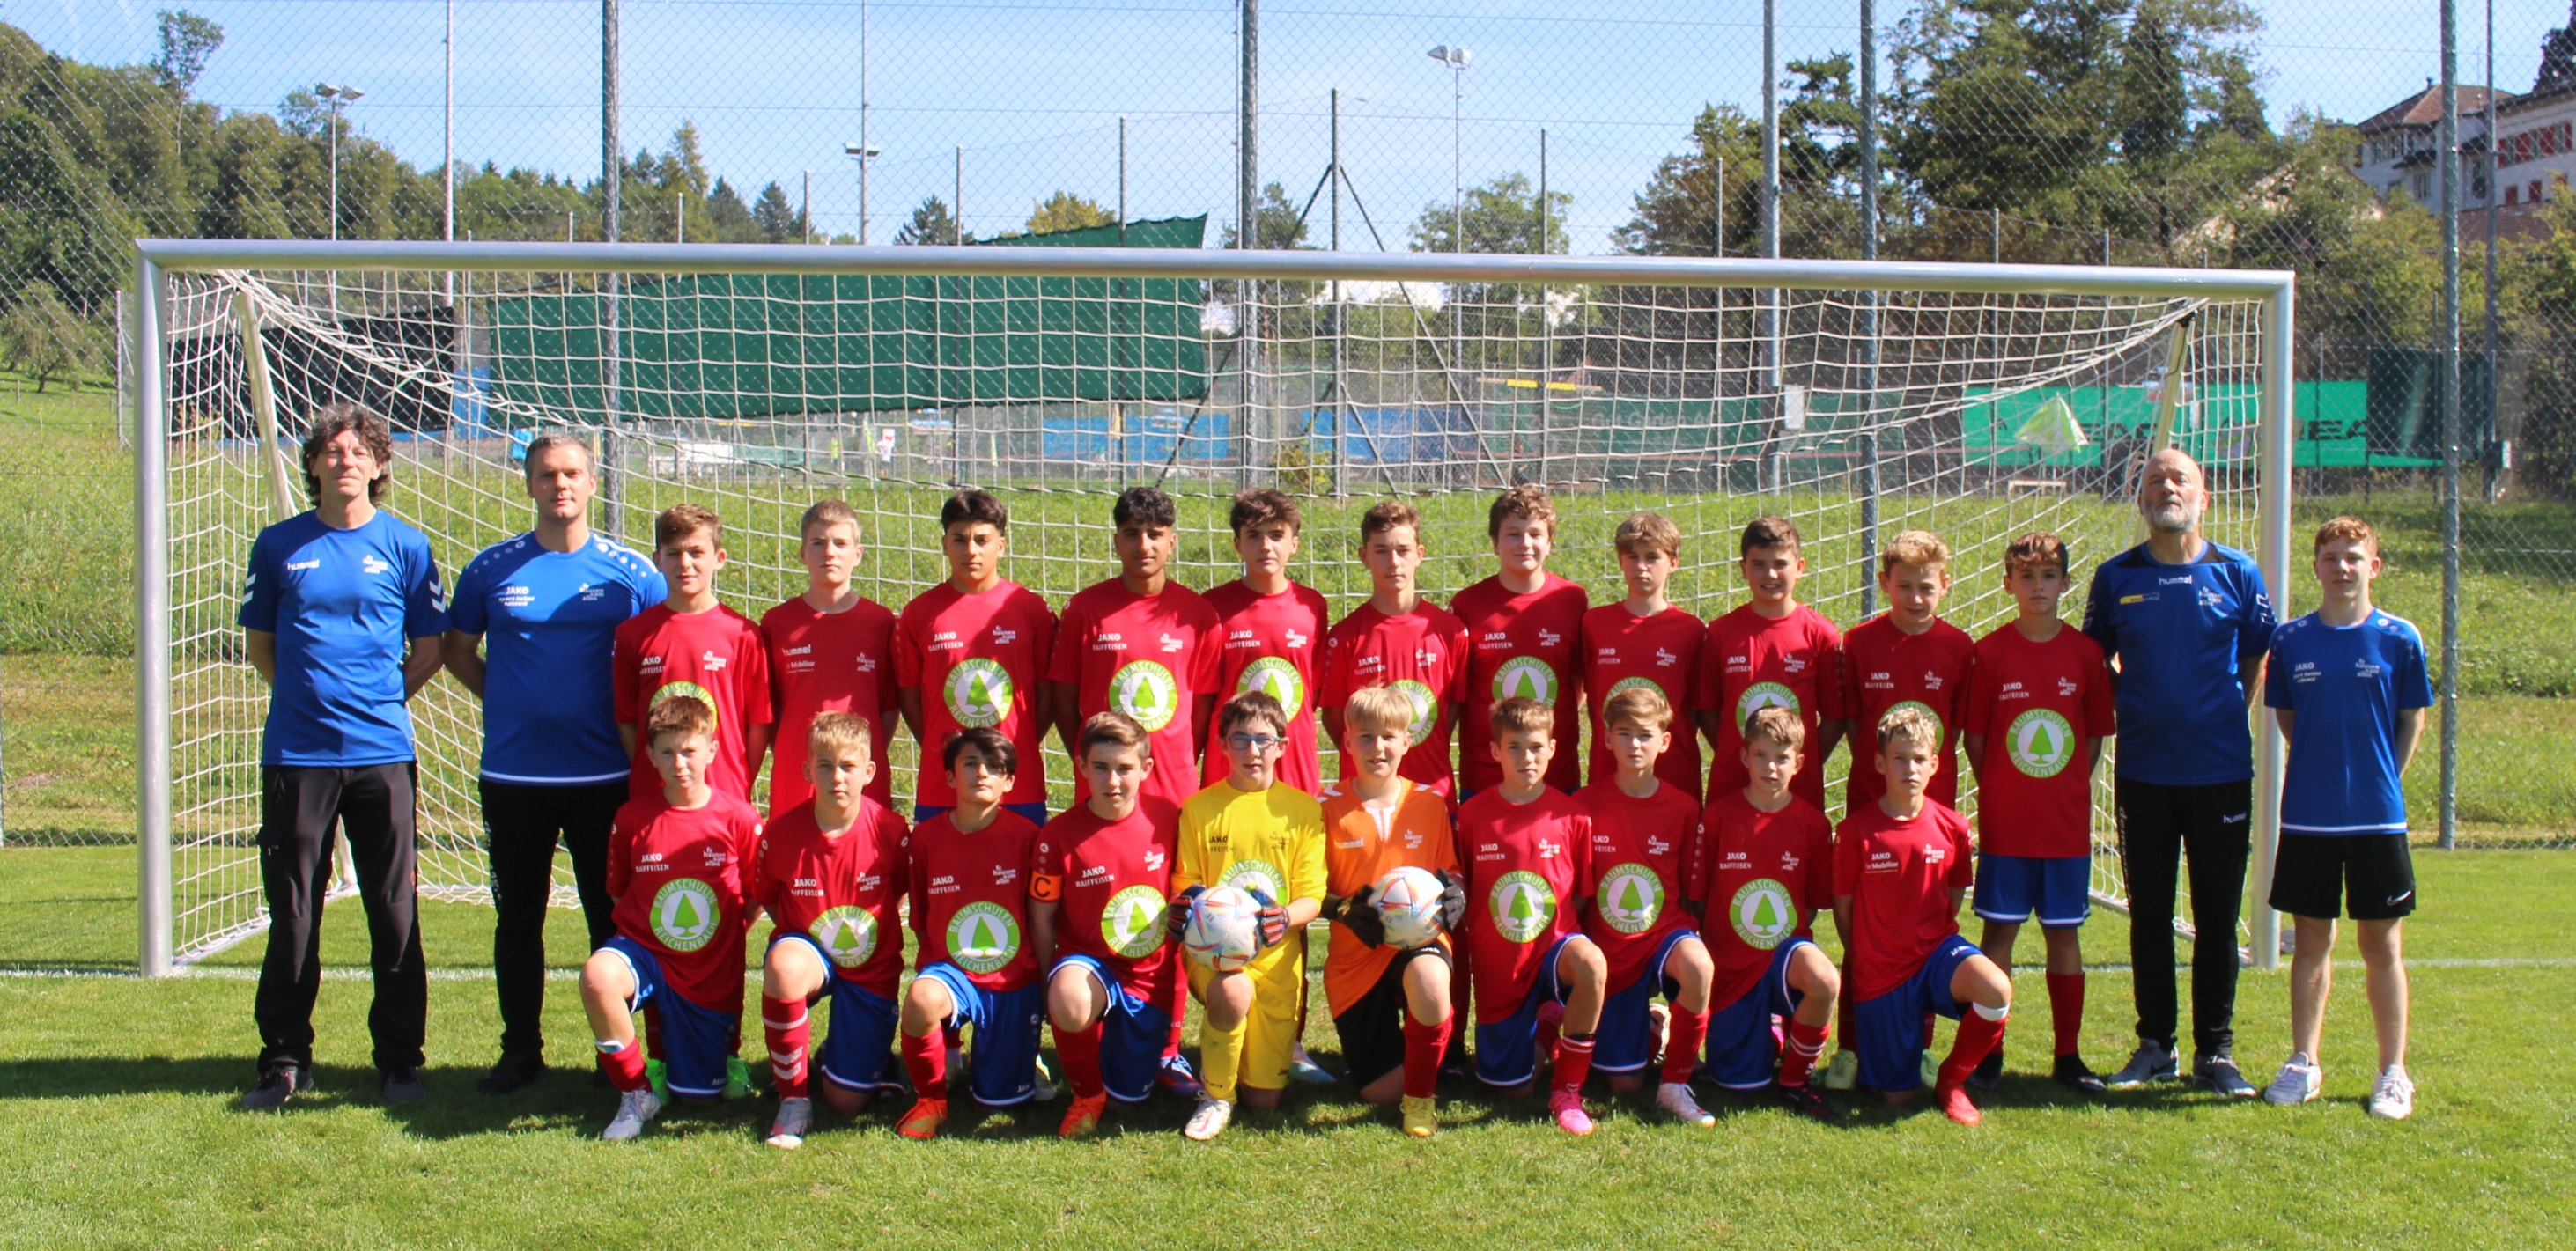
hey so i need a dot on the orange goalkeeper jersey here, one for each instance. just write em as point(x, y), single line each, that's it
point(1362, 845)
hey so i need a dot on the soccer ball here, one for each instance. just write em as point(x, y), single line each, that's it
point(1408, 905)
point(1224, 929)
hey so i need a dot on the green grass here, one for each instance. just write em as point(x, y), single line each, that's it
point(122, 1132)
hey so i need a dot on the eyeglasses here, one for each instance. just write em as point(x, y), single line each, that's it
point(1251, 742)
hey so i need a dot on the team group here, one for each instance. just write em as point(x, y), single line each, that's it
point(627, 713)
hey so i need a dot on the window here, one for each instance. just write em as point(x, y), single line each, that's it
point(2513, 195)
point(2533, 193)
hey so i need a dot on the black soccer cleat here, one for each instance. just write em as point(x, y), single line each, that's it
point(401, 1085)
point(512, 1072)
point(1807, 1101)
point(1989, 1074)
point(2073, 1071)
point(278, 1085)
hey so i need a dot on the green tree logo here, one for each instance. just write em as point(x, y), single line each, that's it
point(1132, 923)
point(1425, 705)
point(983, 937)
point(978, 692)
point(1763, 695)
point(1145, 690)
point(1631, 898)
point(1525, 677)
point(1522, 905)
point(1763, 913)
point(847, 934)
point(1276, 676)
point(2041, 742)
point(685, 914)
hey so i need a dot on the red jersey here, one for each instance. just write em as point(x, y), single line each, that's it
point(827, 662)
point(1108, 878)
point(2036, 704)
point(1638, 849)
point(977, 661)
point(1751, 662)
point(1623, 650)
point(1421, 653)
point(679, 877)
point(1520, 645)
point(1887, 667)
point(714, 655)
point(1528, 868)
point(1150, 657)
point(970, 899)
point(1271, 642)
point(1764, 876)
point(841, 891)
point(1899, 875)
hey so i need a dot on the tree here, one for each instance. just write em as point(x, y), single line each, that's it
point(1066, 211)
point(775, 218)
point(187, 40)
point(45, 340)
point(1276, 225)
point(931, 223)
point(1500, 216)
point(1676, 213)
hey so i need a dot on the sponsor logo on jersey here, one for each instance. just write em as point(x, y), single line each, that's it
point(373, 563)
point(1762, 913)
point(2041, 742)
point(1425, 709)
point(1522, 904)
point(1525, 677)
point(1146, 691)
point(1634, 684)
point(978, 692)
point(1276, 677)
point(1631, 898)
point(684, 914)
point(711, 661)
point(1763, 695)
point(1292, 639)
point(983, 937)
point(1550, 638)
point(299, 566)
point(847, 934)
point(1256, 875)
point(1132, 922)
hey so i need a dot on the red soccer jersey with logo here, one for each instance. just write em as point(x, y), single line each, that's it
point(716, 655)
point(1899, 875)
point(1421, 653)
point(827, 662)
point(1623, 650)
point(1271, 644)
point(679, 876)
point(1638, 850)
point(1521, 645)
point(1886, 667)
point(2036, 704)
point(1529, 866)
point(1107, 878)
point(1763, 875)
point(970, 899)
point(977, 661)
point(1149, 656)
point(841, 891)
point(1751, 662)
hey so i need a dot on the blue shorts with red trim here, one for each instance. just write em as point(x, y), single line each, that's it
point(1004, 1051)
point(1891, 1025)
point(858, 1049)
point(1506, 1050)
point(695, 1041)
point(1743, 1038)
point(1132, 1034)
point(1625, 1040)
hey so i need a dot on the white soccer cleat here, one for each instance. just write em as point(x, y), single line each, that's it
point(634, 1108)
point(787, 1130)
point(2299, 1081)
point(2393, 1099)
point(1843, 1071)
point(1675, 1097)
point(1210, 1119)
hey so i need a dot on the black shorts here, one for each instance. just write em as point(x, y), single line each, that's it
point(2314, 872)
point(1372, 1032)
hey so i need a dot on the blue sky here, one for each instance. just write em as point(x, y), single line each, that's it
point(1033, 90)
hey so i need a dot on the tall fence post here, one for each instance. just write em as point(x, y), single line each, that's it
point(2447, 150)
point(152, 620)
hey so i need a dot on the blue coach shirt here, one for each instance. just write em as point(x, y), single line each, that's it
point(2346, 686)
point(2182, 635)
point(341, 603)
point(549, 625)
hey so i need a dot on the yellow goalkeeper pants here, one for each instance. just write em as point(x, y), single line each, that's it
point(1260, 1047)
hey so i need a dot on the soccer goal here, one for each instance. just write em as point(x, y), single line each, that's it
point(1860, 399)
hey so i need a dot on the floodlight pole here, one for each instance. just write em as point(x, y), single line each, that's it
point(1868, 448)
point(1341, 401)
point(865, 151)
point(1247, 217)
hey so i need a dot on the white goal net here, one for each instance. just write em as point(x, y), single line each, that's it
point(1860, 400)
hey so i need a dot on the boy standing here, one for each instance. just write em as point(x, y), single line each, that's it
point(1142, 646)
point(690, 644)
point(1772, 653)
point(1398, 639)
point(971, 653)
point(2348, 684)
point(1909, 655)
point(678, 860)
point(2041, 699)
point(1272, 630)
point(1524, 637)
point(1529, 867)
point(828, 652)
point(1644, 642)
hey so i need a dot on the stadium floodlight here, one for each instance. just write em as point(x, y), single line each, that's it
point(862, 153)
point(1456, 60)
point(754, 378)
point(334, 98)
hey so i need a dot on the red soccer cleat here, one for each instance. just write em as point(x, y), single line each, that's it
point(1953, 1100)
point(1083, 1117)
point(922, 1121)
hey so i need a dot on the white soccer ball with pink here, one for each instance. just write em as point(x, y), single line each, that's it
point(1224, 929)
point(1408, 906)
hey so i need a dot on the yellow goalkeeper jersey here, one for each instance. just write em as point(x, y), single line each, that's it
point(1271, 839)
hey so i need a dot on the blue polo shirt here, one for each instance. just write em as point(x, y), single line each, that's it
point(2346, 684)
point(341, 603)
point(549, 625)
point(2183, 636)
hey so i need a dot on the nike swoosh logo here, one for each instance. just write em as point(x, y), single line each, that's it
point(2400, 897)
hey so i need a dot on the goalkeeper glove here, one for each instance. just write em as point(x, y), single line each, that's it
point(1274, 919)
point(1453, 900)
point(1359, 912)
point(1176, 916)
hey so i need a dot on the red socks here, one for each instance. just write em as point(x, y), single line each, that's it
point(1422, 1047)
point(1798, 1059)
point(1977, 1036)
point(926, 1059)
point(785, 1023)
point(1079, 1051)
point(1682, 1041)
point(2066, 1010)
point(1573, 1061)
point(624, 1066)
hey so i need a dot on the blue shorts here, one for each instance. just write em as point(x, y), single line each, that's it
point(1891, 1026)
point(695, 1041)
point(2058, 888)
point(1625, 1040)
point(1505, 1050)
point(1036, 813)
point(1004, 1055)
point(858, 1051)
point(1743, 1050)
point(1131, 1035)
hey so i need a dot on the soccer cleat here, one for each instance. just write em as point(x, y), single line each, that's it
point(657, 1078)
point(1083, 1117)
point(1844, 1071)
point(1927, 1069)
point(1302, 1068)
point(2073, 1071)
point(922, 1120)
point(1209, 1120)
point(1990, 1071)
point(1179, 1078)
point(276, 1086)
point(1806, 1101)
point(1955, 1104)
point(512, 1072)
point(401, 1086)
point(1043, 1090)
point(2151, 1062)
point(1659, 1022)
point(737, 1077)
point(1421, 1119)
point(1566, 1103)
point(2393, 1099)
point(634, 1108)
point(1675, 1097)
point(2222, 1075)
point(2299, 1081)
point(787, 1129)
